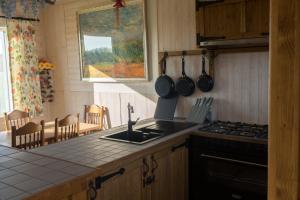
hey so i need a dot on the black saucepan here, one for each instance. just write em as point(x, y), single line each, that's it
point(205, 82)
point(185, 86)
point(164, 85)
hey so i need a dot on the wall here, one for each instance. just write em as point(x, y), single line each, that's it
point(241, 79)
point(71, 93)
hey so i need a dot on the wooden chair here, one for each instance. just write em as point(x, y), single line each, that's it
point(66, 128)
point(16, 118)
point(29, 136)
point(94, 114)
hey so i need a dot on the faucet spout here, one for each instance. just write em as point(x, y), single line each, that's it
point(130, 122)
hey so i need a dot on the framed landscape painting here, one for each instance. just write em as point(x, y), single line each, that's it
point(113, 43)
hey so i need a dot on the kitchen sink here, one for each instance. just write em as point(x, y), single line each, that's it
point(149, 132)
point(136, 137)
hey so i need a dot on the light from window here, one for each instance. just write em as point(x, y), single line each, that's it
point(5, 87)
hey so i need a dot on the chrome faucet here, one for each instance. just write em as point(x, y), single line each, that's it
point(130, 122)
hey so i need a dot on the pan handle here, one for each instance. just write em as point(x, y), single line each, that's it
point(164, 63)
point(203, 64)
point(183, 64)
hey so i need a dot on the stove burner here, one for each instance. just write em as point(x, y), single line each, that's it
point(237, 129)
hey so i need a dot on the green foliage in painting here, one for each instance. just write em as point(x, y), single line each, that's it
point(126, 48)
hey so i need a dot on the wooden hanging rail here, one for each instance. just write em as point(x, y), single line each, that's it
point(179, 53)
point(216, 51)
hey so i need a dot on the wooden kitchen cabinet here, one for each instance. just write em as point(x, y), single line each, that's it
point(127, 186)
point(176, 25)
point(170, 169)
point(162, 174)
point(179, 173)
point(257, 17)
point(232, 19)
point(77, 189)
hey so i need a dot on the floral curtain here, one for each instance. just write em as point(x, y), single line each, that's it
point(24, 67)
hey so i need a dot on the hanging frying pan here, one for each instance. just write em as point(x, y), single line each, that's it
point(185, 86)
point(164, 85)
point(205, 82)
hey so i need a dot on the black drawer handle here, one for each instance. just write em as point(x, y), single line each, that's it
point(265, 34)
point(185, 144)
point(101, 179)
point(145, 168)
point(92, 191)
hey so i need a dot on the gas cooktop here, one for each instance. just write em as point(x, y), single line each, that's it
point(237, 129)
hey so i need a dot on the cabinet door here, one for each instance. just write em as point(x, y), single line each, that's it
point(160, 167)
point(257, 16)
point(233, 19)
point(80, 196)
point(171, 174)
point(221, 20)
point(124, 187)
point(179, 174)
point(176, 25)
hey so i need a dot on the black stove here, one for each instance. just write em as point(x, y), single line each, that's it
point(237, 129)
point(227, 169)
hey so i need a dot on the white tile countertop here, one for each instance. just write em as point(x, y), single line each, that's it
point(23, 174)
point(92, 151)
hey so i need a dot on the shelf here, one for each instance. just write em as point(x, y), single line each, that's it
point(215, 52)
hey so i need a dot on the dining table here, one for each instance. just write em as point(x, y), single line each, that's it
point(49, 132)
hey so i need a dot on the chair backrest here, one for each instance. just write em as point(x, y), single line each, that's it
point(29, 136)
point(94, 114)
point(66, 128)
point(16, 118)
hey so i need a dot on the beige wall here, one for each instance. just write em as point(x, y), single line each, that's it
point(241, 79)
point(71, 93)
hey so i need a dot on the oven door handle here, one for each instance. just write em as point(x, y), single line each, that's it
point(233, 160)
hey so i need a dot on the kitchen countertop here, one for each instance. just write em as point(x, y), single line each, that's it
point(94, 152)
point(23, 174)
point(27, 173)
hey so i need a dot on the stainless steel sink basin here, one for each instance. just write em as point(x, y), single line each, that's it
point(135, 137)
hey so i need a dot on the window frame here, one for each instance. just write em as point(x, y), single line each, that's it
point(7, 68)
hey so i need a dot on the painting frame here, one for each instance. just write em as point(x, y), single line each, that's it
point(104, 7)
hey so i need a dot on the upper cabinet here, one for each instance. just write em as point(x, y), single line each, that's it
point(232, 19)
point(176, 25)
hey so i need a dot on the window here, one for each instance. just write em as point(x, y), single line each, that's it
point(5, 87)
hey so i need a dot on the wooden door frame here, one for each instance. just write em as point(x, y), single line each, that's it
point(284, 100)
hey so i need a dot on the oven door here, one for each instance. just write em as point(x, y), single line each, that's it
point(215, 175)
point(242, 180)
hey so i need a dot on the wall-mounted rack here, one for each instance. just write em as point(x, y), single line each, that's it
point(211, 54)
point(215, 52)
